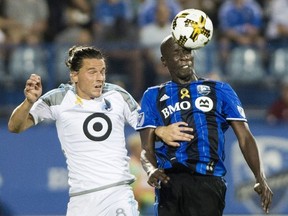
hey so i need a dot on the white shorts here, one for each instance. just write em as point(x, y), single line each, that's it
point(114, 201)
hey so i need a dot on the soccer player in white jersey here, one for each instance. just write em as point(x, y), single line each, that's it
point(90, 117)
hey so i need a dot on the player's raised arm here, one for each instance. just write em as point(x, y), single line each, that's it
point(20, 118)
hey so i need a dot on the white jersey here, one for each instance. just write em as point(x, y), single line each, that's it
point(91, 133)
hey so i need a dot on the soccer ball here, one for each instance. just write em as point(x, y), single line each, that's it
point(192, 28)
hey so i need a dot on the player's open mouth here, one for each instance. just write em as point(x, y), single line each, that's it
point(185, 66)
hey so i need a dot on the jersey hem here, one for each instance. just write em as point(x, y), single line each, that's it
point(102, 188)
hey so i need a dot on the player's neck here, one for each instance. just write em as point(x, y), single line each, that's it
point(193, 78)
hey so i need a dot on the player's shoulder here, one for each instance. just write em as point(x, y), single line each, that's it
point(113, 87)
point(156, 88)
point(217, 83)
point(124, 94)
point(56, 95)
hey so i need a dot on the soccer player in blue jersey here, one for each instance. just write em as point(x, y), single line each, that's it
point(90, 117)
point(189, 176)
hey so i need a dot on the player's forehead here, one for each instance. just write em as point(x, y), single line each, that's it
point(94, 63)
point(98, 61)
point(170, 45)
point(177, 49)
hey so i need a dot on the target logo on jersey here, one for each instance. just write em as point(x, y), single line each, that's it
point(97, 127)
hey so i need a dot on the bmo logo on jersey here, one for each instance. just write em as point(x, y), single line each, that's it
point(167, 111)
point(204, 104)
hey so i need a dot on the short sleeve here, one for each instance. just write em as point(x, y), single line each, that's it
point(232, 107)
point(147, 115)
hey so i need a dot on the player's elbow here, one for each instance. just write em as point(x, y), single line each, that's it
point(12, 128)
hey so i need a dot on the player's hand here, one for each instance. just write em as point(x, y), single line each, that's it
point(33, 88)
point(174, 133)
point(157, 176)
point(265, 193)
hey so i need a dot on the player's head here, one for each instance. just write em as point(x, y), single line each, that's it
point(178, 60)
point(87, 70)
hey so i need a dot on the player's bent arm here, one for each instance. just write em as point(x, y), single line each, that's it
point(251, 154)
point(174, 133)
point(248, 147)
point(20, 119)
point(148, 158)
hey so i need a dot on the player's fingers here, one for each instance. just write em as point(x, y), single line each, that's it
point(265, 208)
point(182, 127)
point(173, 144)
point(265, 205)
point(154, 182)
point(34, 76)
point(30, 82)
point(186, 136)
point(151, 183)
point(182, 136)
point(186, 129)
point(159, 174)
point(267, 200)
point(162, 176)
point(39, 83)
point(178, 124)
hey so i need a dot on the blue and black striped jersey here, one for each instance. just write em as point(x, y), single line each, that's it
point(207, 106)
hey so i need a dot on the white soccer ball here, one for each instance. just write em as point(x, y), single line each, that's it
point(192, 28)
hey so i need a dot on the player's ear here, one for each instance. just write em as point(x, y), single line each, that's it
point(74, 76)
point(163, 61)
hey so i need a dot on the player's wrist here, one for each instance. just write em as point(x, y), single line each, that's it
point(159, 132)
point(150, 171)
point(260, 177)
point(28, 102)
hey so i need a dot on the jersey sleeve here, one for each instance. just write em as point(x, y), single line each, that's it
point(232, 109)
point(130, 105)
point(44, 108)
point(41, 111)
point(147, 115)
point(131, 109)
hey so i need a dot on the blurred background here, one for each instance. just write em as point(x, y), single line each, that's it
point(249, 50)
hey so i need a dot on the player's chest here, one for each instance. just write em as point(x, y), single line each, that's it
point(90, 112)
point(187, 100)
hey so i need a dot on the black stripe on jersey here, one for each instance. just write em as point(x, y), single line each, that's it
point(186, 116)
point(212, 128)
point(160, 106)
